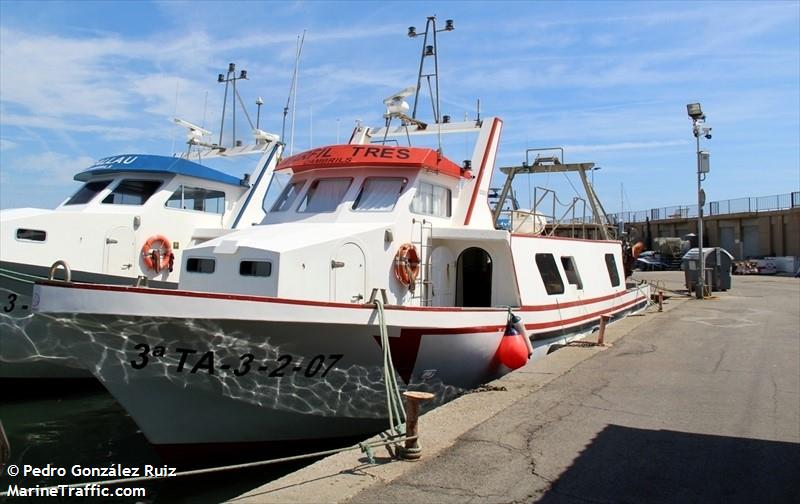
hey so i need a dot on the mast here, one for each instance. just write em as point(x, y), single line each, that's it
point(293, 92)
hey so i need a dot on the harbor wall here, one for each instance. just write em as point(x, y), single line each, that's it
point(745, 235)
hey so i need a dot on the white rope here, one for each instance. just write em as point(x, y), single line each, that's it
point(364, 447)
point(17, 276)
point(394, 403)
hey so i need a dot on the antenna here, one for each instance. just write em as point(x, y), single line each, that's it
point(397, 106)
point(195, 134)
point(429, 50)
point(292, 98)
point(174, 114)
point(259, 102)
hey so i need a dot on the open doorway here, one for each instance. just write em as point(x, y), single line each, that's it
point(474, 278)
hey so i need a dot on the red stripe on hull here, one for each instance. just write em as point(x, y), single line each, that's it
point(574, 320)
point(303, 302)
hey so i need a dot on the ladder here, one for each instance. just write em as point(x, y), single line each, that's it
point(421, 231)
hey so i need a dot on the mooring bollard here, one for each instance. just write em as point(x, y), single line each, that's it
point(660, 300)
point(602, 333)
point(412, 450)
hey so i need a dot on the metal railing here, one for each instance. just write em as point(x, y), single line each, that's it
point(755, 204)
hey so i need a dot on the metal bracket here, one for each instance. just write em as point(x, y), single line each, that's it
point(67, 272)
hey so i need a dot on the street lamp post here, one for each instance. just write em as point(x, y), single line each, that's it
point(700, 129)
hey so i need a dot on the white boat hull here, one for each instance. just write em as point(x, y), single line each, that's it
point(199, 368)
point(29, 345)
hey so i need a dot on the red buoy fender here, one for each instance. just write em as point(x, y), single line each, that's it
point(512, 352)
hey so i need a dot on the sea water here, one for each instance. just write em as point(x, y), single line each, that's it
point(58, 438)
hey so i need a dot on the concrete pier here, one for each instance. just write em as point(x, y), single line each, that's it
point(699, 403)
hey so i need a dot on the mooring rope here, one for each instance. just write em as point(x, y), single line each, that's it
point(364, 447)
point(16, 276)
point(394, 402)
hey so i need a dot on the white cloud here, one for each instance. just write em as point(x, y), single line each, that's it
point(6, 144)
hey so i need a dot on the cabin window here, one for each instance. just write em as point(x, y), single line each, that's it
point(573, 276)
point(31, 235)
point(255, 268)
point(87, 192)
point(132, 192)
point(324, 195)
point(431, 200)
point(550, 275)
point(287, 197)
point(197, 198)
point(613, 272)
point(379, 194)
point(198, 265)
point(277, 185)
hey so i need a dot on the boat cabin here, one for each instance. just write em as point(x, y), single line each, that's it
point(131, 202)
point(336, 229)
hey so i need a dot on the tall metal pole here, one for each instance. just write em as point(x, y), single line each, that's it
point(701, 268)
point(233, 99)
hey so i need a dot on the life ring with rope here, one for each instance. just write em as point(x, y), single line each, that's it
point(158, 258)
point(406, 265)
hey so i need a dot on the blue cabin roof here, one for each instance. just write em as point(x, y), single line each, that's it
point(142, 163)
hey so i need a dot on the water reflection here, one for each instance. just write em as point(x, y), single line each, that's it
point(241, 380)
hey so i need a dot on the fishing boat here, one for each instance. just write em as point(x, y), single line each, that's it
point(278, 332)
point(130, 221)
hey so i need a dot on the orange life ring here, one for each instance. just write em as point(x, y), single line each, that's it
point(158, 258)
point(406, 265)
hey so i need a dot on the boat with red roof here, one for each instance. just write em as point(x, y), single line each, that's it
point(275, 332)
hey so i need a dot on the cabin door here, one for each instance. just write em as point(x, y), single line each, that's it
point(474, 278)
point(349, 274)
point(119, 252)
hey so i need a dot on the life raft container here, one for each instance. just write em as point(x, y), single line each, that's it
point(158, 258)
point(406, 265)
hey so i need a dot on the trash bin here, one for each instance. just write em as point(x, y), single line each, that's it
point(718, 264)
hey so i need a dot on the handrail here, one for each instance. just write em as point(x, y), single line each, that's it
point(755, 204)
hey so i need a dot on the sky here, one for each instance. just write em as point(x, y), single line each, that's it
point(607, 81)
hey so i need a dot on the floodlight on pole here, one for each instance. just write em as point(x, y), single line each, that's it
point(594, 169)
point(695, 112)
